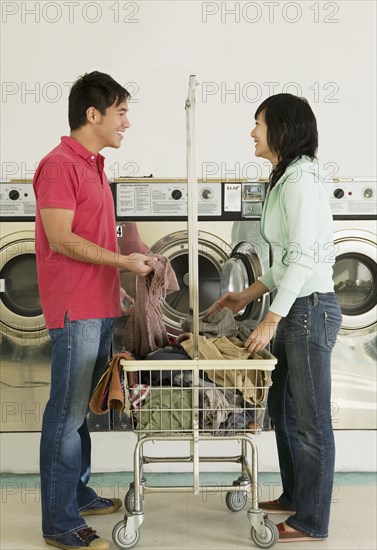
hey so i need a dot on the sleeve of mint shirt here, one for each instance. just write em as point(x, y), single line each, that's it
point(299, 202)
point(268, 280)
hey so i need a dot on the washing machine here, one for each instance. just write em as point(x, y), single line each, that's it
point(354, 359)
point(152, 215)
point(24, 341)
point(22, 322)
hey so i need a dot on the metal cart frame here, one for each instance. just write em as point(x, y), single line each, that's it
point(263, 531)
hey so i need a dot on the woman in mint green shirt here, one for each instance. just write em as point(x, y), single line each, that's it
point(304, 316)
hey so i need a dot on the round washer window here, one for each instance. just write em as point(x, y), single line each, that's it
point(355, 283)
point(209, 288)
point(21, 294)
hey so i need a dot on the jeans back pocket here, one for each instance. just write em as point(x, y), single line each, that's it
point(332, 327)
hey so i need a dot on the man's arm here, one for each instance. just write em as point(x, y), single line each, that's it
point(57, 223)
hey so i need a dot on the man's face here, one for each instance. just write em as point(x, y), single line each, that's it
point(111, 126)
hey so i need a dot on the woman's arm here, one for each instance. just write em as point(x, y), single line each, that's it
point(235, 301)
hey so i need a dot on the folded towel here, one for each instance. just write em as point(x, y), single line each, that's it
point(109, 392)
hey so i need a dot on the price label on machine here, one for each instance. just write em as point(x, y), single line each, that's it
point(232, 197)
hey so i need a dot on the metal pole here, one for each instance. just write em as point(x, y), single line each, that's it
point(192, 219)
point(192, 230)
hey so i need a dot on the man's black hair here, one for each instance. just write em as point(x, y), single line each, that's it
point(94, 89)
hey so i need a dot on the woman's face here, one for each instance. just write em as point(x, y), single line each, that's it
point(259, 135)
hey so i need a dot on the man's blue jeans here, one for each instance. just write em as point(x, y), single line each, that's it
point(299, 405)
point(80, 353)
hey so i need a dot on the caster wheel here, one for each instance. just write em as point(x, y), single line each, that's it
point(121, 539)
point(129, 500)
point(270, 537)
point(236, 500)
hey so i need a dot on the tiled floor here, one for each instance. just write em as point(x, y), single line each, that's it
point(187, 521)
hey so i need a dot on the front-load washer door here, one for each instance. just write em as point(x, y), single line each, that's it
point(243, 268)
point(355, 278)
point(353, 359)
point(22, 319)
point(213, 253)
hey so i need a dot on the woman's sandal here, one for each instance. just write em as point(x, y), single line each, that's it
point(286, 535)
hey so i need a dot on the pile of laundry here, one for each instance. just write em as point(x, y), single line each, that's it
point(170, 408)
point(229, 400)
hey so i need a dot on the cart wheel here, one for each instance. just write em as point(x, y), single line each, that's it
point(129, 500)
point(121, 539)
point(236, 500)
point(271, 535)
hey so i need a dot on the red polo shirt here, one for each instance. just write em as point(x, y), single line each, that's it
point(73, 178)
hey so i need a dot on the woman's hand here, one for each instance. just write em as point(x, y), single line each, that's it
point(263, 333)
point(231, 300)
point(235, 301)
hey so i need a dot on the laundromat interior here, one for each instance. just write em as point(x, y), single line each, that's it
point(228, 56)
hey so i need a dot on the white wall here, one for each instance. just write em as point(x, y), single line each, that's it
point(113, 452)
point(323, 50)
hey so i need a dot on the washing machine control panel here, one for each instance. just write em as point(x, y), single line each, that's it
point(148, 199)
point(353, 197)
point(17, 200)
point(165, 198)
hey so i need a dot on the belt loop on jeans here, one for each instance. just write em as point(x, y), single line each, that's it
point(315, 299)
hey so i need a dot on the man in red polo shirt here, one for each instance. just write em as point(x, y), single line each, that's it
point(78, 275)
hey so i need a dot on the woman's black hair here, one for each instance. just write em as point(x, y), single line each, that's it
point(291, 130)
point(94, 89)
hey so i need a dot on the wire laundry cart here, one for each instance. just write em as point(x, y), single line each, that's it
point(198, 401)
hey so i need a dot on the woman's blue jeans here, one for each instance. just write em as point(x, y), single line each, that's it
point(80, 352)
point(299, 405)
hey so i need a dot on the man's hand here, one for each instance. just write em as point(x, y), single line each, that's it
point(140, 263)
point(124, 297)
